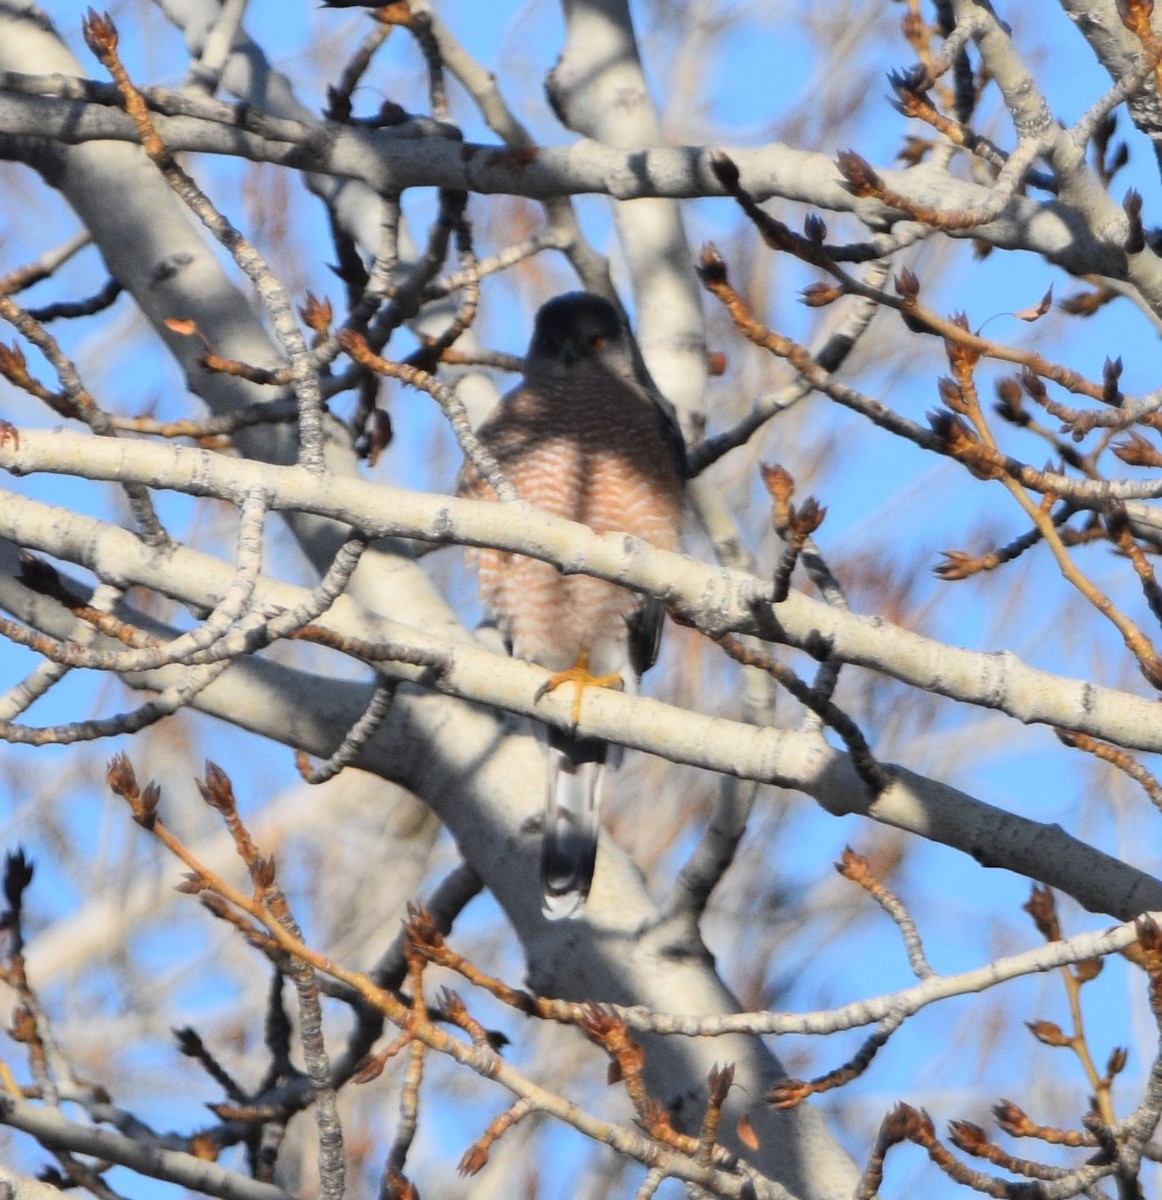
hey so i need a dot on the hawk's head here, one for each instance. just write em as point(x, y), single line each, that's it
point(576, 330)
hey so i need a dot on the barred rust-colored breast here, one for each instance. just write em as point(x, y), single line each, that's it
point(593, 452)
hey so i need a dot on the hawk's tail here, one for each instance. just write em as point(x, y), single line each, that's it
point(572, 800)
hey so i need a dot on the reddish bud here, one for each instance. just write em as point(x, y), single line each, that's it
point(1088, 968)
point(819, 295)
point(1013, 1119)
point(1042, 907)
point(99, 32)
point(968, 1137)
point(1048, 1033)
point(859, 173)
point(711, 265)
point(907, 284)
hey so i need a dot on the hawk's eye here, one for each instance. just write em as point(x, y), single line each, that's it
point(596, 342)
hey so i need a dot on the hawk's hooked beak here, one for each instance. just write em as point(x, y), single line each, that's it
point(570, 351)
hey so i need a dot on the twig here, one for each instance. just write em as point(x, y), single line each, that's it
point(20, 697)
point(44, 266)
point(51, 1128)
point(206, 72)
point(81, 404)
point(1124, 761)
point(218, 792)
point(355, 739)
point(71, 309)
point(174, 697)
point(830, 356)
point(790, 1093)
point(101, 37)
point(725, 1175)
point(339, 94)
point(857, 868)
point(474, 450)
point(874, 775)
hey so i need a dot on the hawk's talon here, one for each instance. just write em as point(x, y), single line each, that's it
point(581, 677)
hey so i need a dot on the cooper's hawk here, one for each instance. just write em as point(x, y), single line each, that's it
point(584, 437)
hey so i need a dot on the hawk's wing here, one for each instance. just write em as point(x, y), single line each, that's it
point(645, 634)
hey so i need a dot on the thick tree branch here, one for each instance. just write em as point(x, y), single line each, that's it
point(802, 761)
point(721, 600)
point(395, 164)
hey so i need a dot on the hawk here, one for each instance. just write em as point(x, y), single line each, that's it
point(586, 436)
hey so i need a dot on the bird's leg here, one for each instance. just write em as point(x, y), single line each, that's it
point(581, 677)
